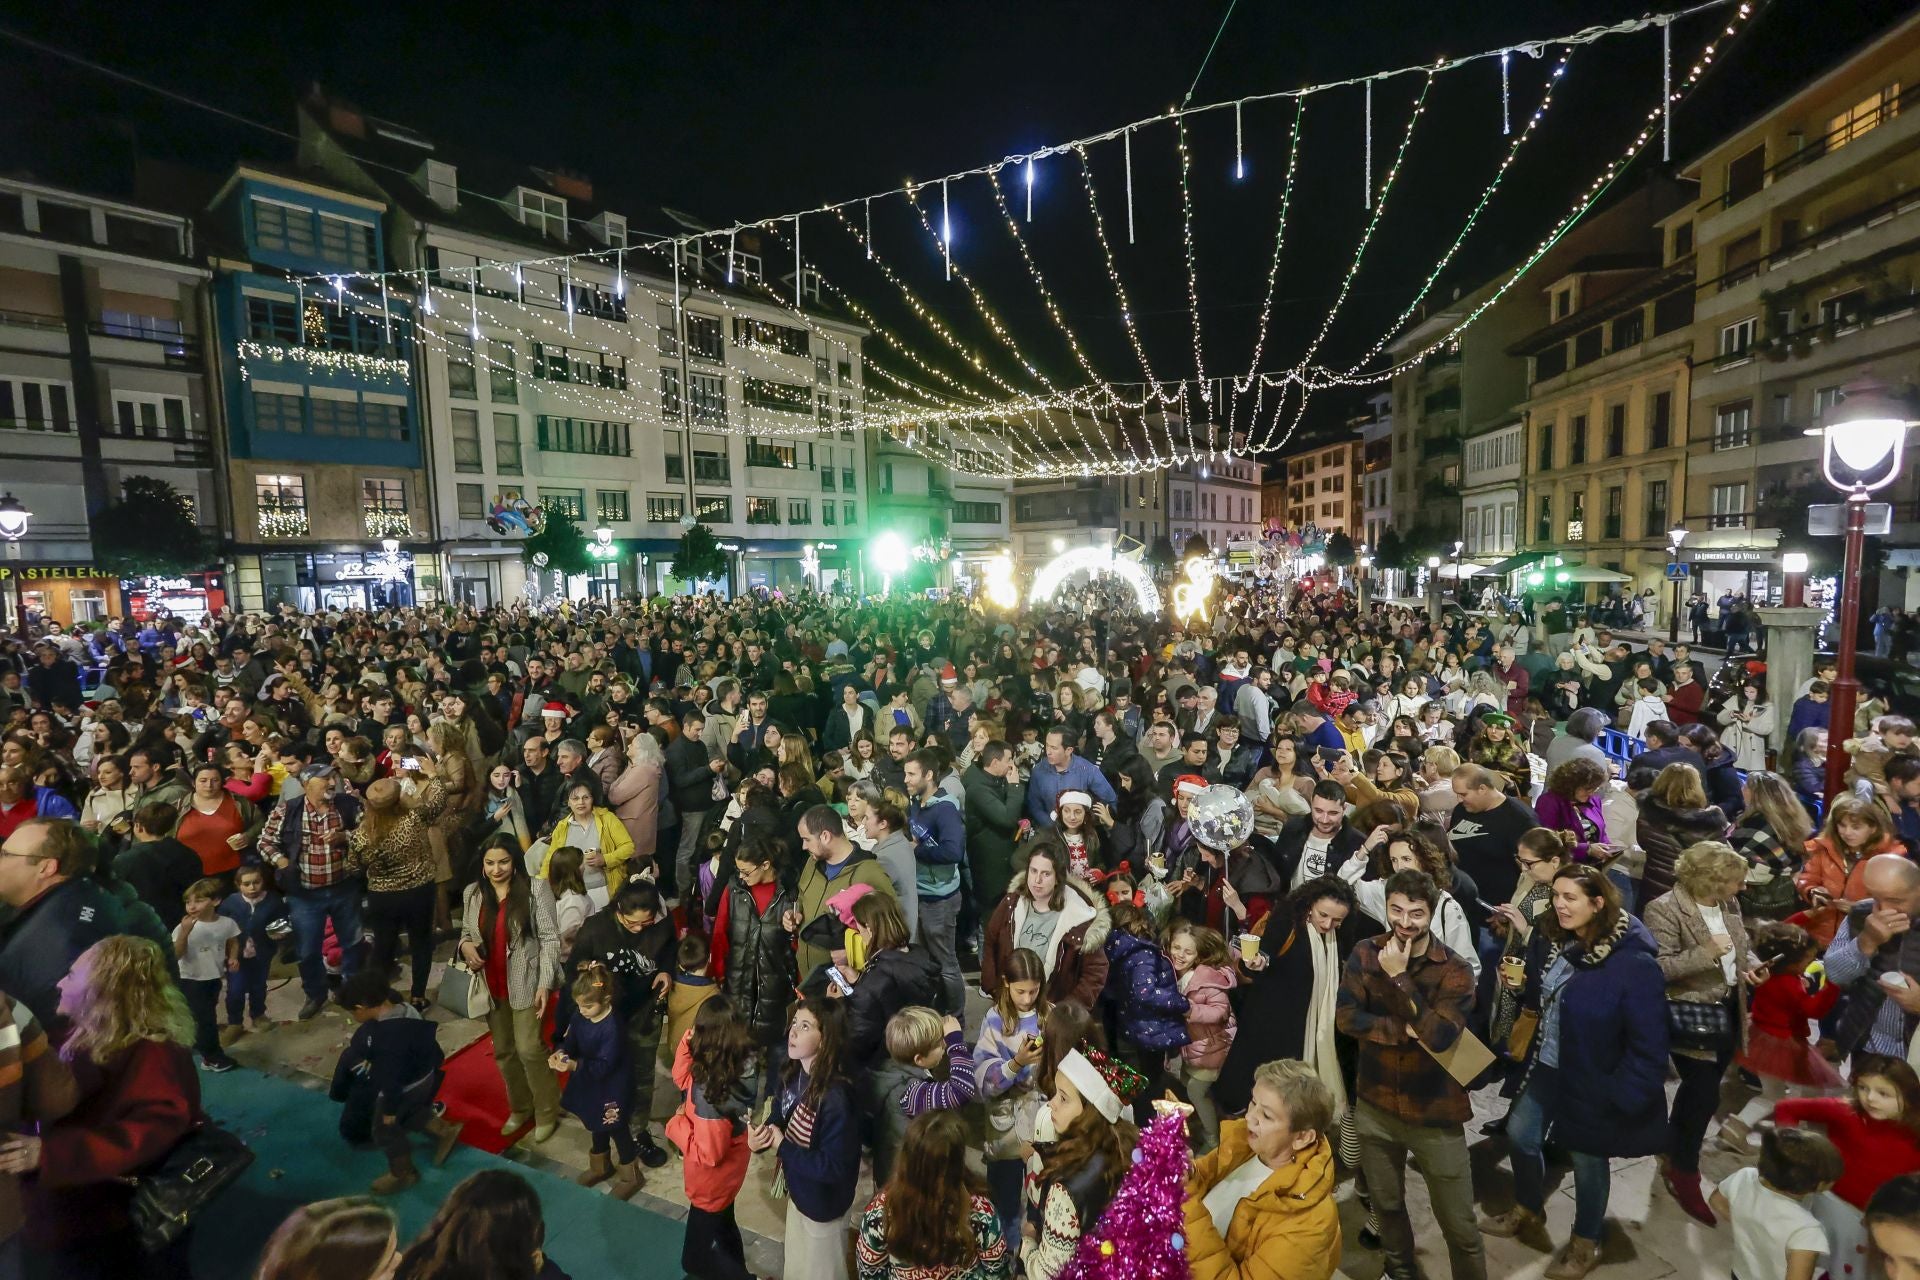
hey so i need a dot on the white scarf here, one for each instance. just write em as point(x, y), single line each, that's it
point(1320, 1008)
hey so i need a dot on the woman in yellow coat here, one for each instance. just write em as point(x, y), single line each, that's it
point(1260, 1205)
point(602, 839)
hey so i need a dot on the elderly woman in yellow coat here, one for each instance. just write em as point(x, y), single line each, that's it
point(1260, 1205)
point(600, 837)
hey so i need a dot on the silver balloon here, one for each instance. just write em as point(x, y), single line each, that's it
point(1221, 817)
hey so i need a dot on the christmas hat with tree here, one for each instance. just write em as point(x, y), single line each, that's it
point(1140, 1234)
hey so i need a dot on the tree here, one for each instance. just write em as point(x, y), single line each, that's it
point(150, 530)
point(1139, 1233)
point(1392, 551)
point(1340, 553)
point(699, 557)
point(1197, 546)
point(1160, 555)
point(562, 540)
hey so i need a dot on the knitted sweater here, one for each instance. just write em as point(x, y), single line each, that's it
point(1874, 1150)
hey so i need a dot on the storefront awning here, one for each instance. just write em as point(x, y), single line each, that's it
point(1511, 563)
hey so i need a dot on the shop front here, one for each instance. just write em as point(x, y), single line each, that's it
point(1733, 562)
point(188, 596)
point(380, 579)
point(69, 594)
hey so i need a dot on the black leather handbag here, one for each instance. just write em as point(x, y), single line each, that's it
point(169, 1196)
point(1695, 1025)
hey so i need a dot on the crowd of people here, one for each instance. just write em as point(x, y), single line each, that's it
point(918, 888)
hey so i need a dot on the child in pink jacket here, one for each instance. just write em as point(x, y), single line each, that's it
point(1199, 957)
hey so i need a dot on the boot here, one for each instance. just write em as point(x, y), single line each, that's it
point(1579, 1257)
point(1685, 1189)
point(628, 1182)
point(599, 1169)
point(399, 1176)
point(650, 1152)
point(1524, 1225)
point(444, 1133)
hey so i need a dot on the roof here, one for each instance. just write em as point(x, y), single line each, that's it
point(1657, 284)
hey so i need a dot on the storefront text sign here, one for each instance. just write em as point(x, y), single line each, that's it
point(34, 573)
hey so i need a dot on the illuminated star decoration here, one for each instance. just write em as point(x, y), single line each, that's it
point(1190, 597)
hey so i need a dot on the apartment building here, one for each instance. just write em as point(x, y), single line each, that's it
point(1054, 513)
point(102, 377)
point(1807, 240)
point(636, 389)
point(1375, 429)
point(1492, 464)
point(1319, 484)
point(1605, 411)
point(1215, 498)
point(919, 495)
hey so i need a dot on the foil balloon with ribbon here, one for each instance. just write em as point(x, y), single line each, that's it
point(1221, 817)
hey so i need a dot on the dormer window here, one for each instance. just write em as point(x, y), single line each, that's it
point(543, 213)
point(610, 229)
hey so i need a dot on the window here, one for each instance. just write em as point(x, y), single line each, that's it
point(1746, 174)
point(1616, 430)
point(1543, 526)
point(665, 508)
point(460, 379)
point(1683, 242)
point(346, 242)
point(471, 500)
point(571, 501)
point(502, 376)
point(273, 320)
point(1550, 363)
point(846, 479)
point(711, 464)
point(506, 443)
point(1731, 425)
point(783, 454)
point(1729, 506)
point(1546, 446)
point(848, 510)
point(1507, 514)
point(823, 370)
point(137, 235)
point(382, 421)
point(784, 339)
point(149, 417)
point(787, 397)
point(1473, 529)
point(1868, 113)
point(713, 508)
point(976, 513)
point(466, 441)
point(704, 339)
point(799, 511)
point(276, 226)
point(583, 435)
point(383, 494)
point(1586, 346)
point(1735, 339)
point(1846, 310)
point(1577, 517)
point(274, 411)
point(1659, 420)
point(1616, 510)
point(611, 505)
point(1628, 329)
point(667, 324)
point(708, 392)
point(1740, 260)
point(676, 465)
point(1562, 302)
point(1655, 495)
point(584, 368)
point(1675, 311)
point(827, 516)
point(1824, 399)
point(282, 505)
point(544, 213)
point(1577, 440)
point(843, 369)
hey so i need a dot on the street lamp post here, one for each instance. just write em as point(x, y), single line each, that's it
point(1458, 598)
point(1862, 442)
point(1675, 536)
point(1433, 592)
point(14, 518)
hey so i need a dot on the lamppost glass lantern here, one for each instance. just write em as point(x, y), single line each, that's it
point(14, 518)
point(1863, 438)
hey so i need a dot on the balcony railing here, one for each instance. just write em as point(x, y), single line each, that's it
point(385, 522)
point(176, 348)
point(32, 320)
point(280, 520)
point(712, 470)
point(762, 456)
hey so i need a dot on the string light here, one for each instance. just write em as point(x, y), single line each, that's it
point(1666, 91)
point(323, 360)
point(473, 298)
point(1028, 166)
point(1239, 152)
point(620, 275)
point(730, 236)
point(946, 230)
point(1506, 122)
point(1129, 149)
point(1193, 279)
point(1366, 185)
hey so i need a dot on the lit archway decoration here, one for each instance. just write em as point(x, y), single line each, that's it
point(1095, 560)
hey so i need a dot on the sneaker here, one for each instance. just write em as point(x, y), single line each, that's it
point(648, 1151)
point(218, 1065)
point(311, 1009)
point(1524, 1225)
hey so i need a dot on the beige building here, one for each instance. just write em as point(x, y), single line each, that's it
point(1807, 236)
point(1321, 486)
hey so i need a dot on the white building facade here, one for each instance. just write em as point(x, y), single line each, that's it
point(1490, 492)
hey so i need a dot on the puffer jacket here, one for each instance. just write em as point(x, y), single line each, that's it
point(711, 1133)
point(1142, 986)
point(892, 980)
point(1210, 1024)
point(1664, 833)
point(1840, 875)
point(1286, 1229)
point(1076, 963)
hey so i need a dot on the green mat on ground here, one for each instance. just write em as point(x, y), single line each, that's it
point(300, 1159)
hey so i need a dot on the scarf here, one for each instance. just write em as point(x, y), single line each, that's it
point(1319, 1043)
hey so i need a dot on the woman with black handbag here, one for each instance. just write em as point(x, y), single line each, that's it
point(129, 1044)
point(1703, 953)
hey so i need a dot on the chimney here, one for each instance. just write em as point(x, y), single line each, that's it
point(441, 182)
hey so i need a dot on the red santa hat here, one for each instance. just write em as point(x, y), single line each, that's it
point(948, 675)
point(555, 709)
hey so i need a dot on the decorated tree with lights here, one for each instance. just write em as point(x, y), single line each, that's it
point(1140, 1234)
point(699, 557)
point(150, 530)
point(562, 541)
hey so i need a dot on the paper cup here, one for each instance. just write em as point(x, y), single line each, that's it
point(1249, 945)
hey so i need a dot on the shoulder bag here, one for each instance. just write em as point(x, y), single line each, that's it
point(168, 1197)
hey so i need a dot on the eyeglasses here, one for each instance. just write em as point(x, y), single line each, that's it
point(1528, 864)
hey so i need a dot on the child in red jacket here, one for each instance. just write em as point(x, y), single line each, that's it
point(1777, 1050)
point(1878, 1133)
point(716, 1067)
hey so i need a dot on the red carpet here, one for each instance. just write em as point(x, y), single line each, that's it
point(476, 1098)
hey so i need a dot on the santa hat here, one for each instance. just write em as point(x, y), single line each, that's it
point(555, 709)
point(948, 675)
point(1189, 784)
point(184, 660)
point(1105, 1085)
point(1066, 798)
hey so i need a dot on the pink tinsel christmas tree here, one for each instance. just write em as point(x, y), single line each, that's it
point(1140, 1233)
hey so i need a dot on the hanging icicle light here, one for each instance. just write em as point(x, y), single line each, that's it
point(1239, 152)
point(946, 230)
point(426, 293)
point(798, 274)
point(867, 205)
point(566, 287)
point(730, 240)
point(1027, 164)
point(386, 312)
point(1366, 129)
point(473, 299)
point(620, 275)
point(1506, 122)
point(1666, 90)
point(1128, 136)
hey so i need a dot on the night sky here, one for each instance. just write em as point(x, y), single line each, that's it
point(737, 111)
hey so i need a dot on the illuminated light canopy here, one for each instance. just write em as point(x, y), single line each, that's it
point(1091, 561)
